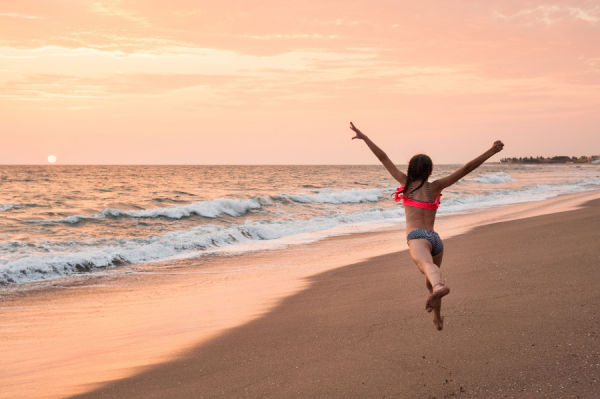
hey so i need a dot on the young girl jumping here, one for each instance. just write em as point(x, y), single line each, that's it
point(421, 200)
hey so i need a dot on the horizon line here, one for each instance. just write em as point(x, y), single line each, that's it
point(220, 164)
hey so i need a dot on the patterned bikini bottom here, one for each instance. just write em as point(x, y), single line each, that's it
point(436, 242)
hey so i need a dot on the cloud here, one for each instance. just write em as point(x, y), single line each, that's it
point(287, 36)
point(17, 15)
point(181, 60)
point(93, 73)
point(591, 16)
point(225, 76)
point(112, 9)
point(550, 14)
point(114, 84)
point(100, 46)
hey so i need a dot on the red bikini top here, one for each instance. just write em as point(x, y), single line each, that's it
point(416, 203)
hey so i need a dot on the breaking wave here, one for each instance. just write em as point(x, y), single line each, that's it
point(227, 206)
point(54, 259)
point(24, 261)
point(538, 192)
point(8, 207)
point(492, 178)
point(208, 209)
point(336, 196)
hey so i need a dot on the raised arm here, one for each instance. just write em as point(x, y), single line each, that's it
point(383, 158)
point(440, 184)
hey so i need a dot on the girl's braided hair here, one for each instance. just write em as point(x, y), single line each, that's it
point(419, 168)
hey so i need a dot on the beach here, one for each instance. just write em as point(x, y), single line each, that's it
point(213, 200)
point(520, 320)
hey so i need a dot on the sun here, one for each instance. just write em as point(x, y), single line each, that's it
point(51, 158)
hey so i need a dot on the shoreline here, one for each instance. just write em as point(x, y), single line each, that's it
point(490, 215)
point(265, 279)
point(512, 330)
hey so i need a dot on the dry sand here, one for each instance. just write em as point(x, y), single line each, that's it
point(522, 321)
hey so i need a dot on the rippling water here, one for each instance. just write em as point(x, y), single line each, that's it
point(62, 220)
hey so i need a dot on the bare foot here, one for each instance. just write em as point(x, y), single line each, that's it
point(439, 323)
point(438, 320)
point(440, 290)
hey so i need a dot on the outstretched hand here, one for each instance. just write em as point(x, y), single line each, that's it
point(359, 135)
point(497, 146)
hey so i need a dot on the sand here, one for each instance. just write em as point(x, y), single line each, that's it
point(521, 321)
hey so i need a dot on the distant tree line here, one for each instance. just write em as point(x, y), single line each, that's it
point(554, 159)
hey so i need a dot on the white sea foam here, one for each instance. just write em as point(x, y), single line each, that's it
point(58, 259)
point(209, 209)
point(536, 192)
point(30, 261)
point(8, 207)
point(492, 178)
point(336, 196)
point(227, 206)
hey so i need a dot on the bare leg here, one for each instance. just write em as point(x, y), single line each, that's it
point(438, 320)
point(420, 251)
point(439, 291)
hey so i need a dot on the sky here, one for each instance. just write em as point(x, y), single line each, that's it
point(277, 82)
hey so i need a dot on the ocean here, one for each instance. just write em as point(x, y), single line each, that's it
point(61, 221)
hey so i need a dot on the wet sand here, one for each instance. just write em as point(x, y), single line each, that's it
point(521, 321)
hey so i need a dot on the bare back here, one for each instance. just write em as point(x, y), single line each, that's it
point(420, 218)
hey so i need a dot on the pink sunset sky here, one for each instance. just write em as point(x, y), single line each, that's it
point(263, 82)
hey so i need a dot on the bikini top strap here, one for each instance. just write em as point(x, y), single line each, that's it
point(399, 195)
